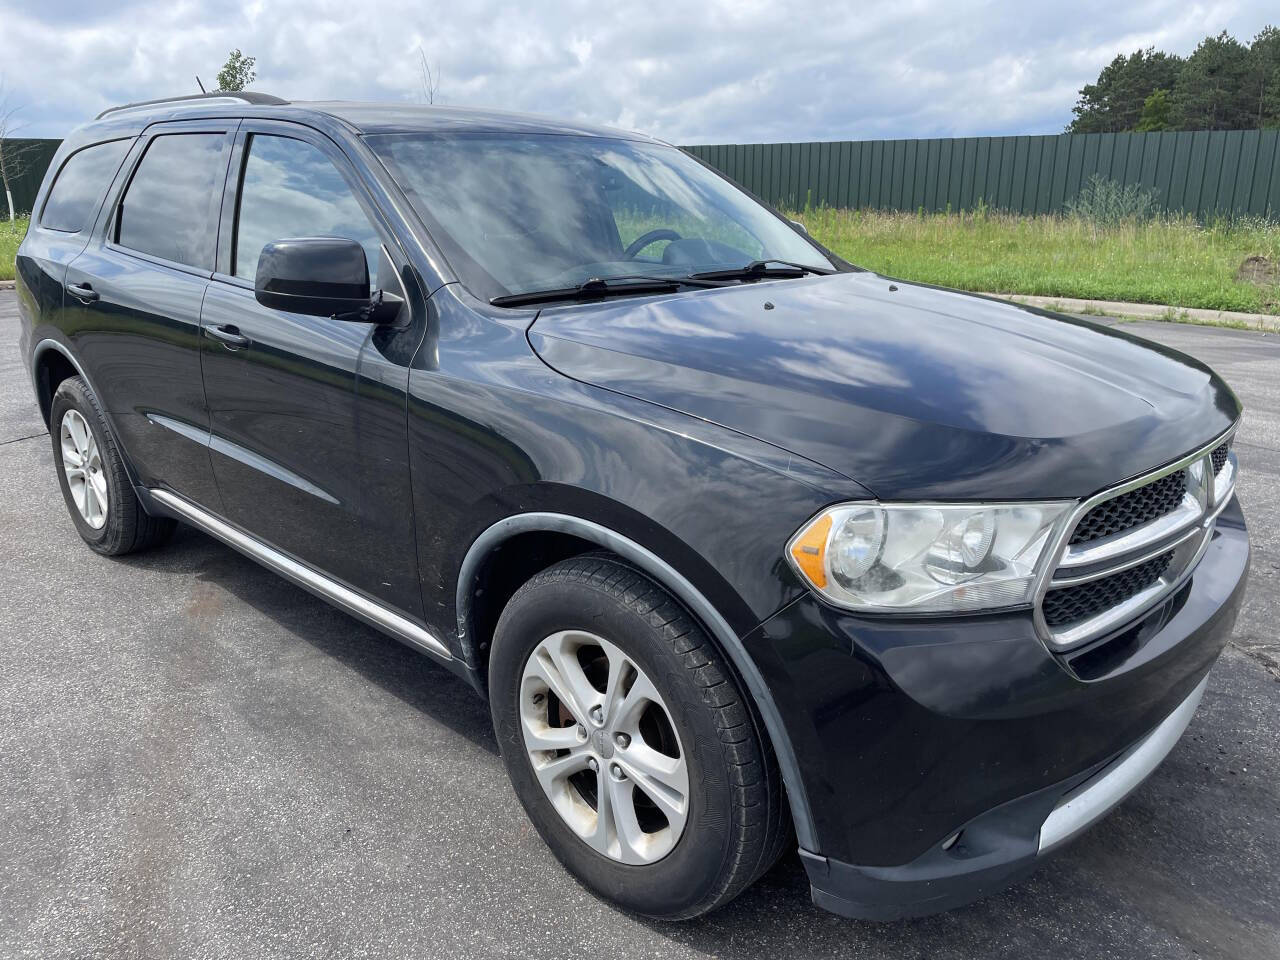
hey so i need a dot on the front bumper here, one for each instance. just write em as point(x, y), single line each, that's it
point(942, 758)
point(999, 847)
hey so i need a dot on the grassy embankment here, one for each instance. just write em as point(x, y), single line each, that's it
point(11, 235)
point(1161, 261)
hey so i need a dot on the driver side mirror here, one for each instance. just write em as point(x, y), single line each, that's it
point(319, 277)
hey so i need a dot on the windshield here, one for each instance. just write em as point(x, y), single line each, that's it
point(527, 212)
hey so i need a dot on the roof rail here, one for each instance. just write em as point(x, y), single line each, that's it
point(243, 96)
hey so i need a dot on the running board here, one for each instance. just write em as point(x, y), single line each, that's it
point(356, 604)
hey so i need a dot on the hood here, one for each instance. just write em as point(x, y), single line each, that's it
point(913, 391)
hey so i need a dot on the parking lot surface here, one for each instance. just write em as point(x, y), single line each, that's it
point(198, 759)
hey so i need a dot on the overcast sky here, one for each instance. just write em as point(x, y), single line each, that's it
point(689, 72)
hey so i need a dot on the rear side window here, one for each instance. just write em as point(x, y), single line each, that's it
point(168, 210)
point(76, 193)
point(290, 189)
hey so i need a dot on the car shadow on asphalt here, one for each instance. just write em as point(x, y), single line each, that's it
point(406, 674)
point(776, 917)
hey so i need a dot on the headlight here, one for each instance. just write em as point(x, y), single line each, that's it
point(926, 558)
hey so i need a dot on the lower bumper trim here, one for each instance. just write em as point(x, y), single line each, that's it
point(1096, 797)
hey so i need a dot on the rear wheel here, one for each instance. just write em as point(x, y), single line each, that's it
point(629, 743)
point(92, 475)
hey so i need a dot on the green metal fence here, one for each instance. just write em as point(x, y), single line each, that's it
point(30, 158)
point(1206, 173)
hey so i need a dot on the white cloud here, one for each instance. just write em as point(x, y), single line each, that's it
point(692, 72)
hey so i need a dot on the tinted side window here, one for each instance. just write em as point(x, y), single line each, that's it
point(291, 189)
point(169, 207)
point(78, 190)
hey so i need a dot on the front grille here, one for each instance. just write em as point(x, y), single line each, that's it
point(1132, 509)
point(1219, 456)
point(1070, 604)
point(1140, 543)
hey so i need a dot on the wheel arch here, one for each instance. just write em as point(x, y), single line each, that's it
point(595, 535)
point(52, 361)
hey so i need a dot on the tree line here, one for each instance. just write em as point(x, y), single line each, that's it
point(1223, 85)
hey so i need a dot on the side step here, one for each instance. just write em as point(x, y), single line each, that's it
point(356, 604)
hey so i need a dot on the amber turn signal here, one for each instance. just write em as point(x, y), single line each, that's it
point(809, 550)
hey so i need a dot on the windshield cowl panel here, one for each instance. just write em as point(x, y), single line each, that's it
point(519, 213)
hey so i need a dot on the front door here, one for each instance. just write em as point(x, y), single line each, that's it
point(307, 414)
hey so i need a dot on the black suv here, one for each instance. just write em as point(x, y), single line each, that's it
point(736, 538)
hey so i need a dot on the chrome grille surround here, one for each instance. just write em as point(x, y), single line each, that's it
point(1183, 532)
point(1069, 604)
point(1133, 509)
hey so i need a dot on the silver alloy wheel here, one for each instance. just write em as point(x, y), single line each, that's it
point(82, 464)
point(603, 745)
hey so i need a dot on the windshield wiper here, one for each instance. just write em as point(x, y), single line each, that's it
point(762, 269)
point(598, 287)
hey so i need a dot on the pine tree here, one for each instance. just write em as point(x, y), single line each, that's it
point(1211, 92)
point(1264, 86)
point(1115, 102)
point(1223, 85)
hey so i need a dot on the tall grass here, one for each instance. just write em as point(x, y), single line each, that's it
point(1103, 203)
point(11, 235)
point(1160, 260)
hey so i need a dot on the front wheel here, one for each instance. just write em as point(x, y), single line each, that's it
point(629, 743)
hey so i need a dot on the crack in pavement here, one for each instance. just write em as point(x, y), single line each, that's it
point(1266, 660)
point(34, 436)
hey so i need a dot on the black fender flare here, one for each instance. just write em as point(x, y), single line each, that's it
point(671, 579)
point(57, 346)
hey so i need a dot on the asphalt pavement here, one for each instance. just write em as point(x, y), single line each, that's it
point(198, 759)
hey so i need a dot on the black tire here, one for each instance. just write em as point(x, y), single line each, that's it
point(128, 526)
point(738, 823)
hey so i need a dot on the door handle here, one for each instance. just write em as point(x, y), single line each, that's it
point(83, 291)
point(228, 334)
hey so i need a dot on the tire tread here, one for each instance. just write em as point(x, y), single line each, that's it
point(761, 819)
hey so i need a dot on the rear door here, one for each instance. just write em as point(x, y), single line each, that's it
point(134, 297)
point(308, 414)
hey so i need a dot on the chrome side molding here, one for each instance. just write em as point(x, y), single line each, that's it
point(354, 603)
